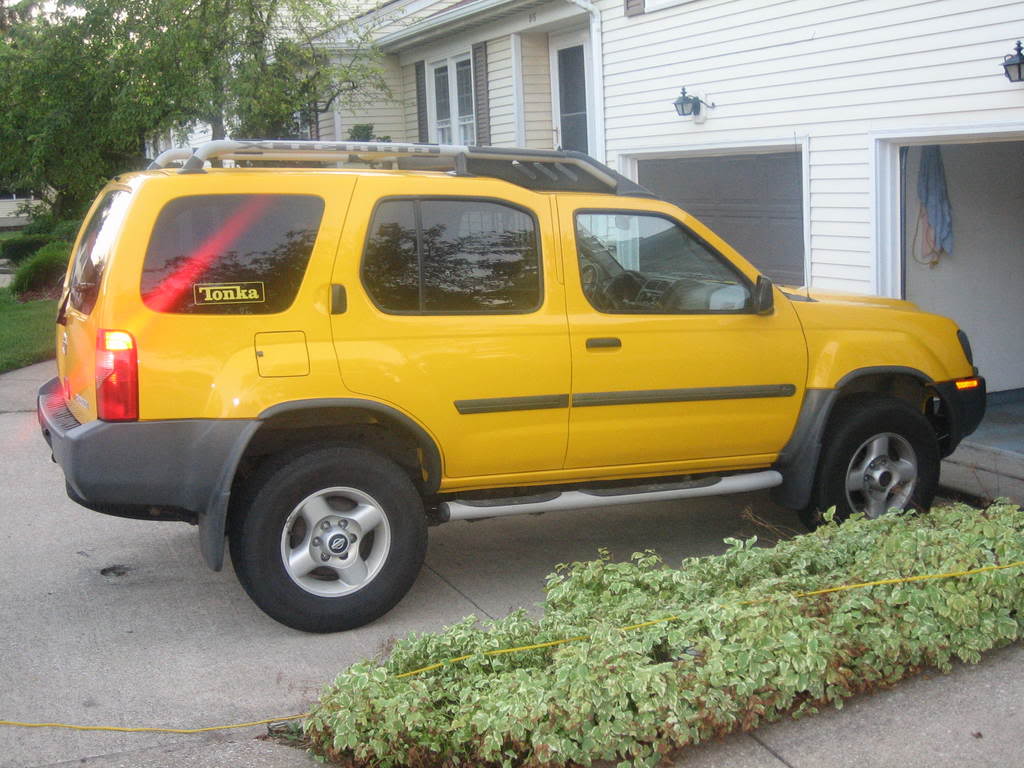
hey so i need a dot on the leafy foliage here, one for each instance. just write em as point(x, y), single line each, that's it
point(42, 269)
point(85, 83)
point(741, 649)
point(364, 132)
point(18, 248)
point(66, 230)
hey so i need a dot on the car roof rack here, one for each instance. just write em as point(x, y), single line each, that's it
point(542, 170)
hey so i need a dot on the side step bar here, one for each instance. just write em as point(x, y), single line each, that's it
point(592, 498)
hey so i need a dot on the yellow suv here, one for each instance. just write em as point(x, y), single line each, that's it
point(315, 362)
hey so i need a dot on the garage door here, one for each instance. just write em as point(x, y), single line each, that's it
point(755, 202)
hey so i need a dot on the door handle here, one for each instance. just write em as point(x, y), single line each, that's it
point(339, 299)
point(608, 342)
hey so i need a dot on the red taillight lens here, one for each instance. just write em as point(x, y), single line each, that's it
point(117, 377)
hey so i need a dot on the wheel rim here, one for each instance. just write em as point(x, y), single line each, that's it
point(335, 542)
point(882, 475)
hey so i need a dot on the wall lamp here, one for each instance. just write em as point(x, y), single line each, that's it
point(1013, 65)
point(689, 105)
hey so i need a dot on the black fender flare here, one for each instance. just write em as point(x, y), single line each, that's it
point(213, 519)
point(798, 460)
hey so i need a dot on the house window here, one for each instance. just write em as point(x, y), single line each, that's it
point(453, 118)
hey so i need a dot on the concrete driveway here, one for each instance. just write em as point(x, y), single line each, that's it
point(118, 622)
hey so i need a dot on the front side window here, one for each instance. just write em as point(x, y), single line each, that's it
point(648, 264)
point(454, 116)
point(452, 256)
point(94, 248)
point(230, 254)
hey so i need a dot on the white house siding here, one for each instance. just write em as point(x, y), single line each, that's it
point(537, 91)
point(9, 212)
point(412, 129)
point(394, 16)
point(501, 91)
point(782, 70)
point(387, 115)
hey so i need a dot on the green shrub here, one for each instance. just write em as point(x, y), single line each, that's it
point(364, 132)
point(66, 230)
point(40, 224)
point(43, 269)
point(19, 248)
point(741, 649)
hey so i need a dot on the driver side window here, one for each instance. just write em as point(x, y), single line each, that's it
point(647, 264)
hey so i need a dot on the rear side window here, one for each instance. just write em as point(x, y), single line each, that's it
point(230, 254)
point(452, 256)
point(94, 249)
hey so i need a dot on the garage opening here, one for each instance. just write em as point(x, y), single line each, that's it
point(980, 281)
point(754, 202)
point(980, 284)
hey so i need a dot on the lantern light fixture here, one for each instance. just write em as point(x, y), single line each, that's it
point(1013, 65)
point(687, 106)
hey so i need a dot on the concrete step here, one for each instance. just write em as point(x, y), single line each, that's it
point(985, 471)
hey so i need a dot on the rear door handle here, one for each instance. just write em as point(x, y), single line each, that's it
point(608, 342)
point(339, 299)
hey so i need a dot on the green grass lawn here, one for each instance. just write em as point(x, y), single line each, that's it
point(26, 331)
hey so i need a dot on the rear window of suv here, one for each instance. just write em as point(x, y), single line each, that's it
point(230, 254)
point(94, 246)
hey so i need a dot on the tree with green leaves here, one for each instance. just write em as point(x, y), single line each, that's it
point(85, 83)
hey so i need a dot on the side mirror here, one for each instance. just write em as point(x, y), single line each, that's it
point(764, 296)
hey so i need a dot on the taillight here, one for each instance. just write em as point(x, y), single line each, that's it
point(117, 377)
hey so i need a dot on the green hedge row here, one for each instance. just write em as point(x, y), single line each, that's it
point(18, 249)
point(725, 663)
point(43, 268)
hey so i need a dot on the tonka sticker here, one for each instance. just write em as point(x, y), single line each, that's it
point(229, 293)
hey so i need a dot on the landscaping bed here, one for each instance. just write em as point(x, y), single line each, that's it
point(731, 646)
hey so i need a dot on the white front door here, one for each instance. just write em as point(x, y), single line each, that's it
point(572, 92)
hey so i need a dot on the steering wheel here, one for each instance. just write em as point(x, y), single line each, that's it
point(623, 288)
point(590, 276)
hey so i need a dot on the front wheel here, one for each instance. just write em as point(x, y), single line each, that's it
point(332, 539)
point(880, 454)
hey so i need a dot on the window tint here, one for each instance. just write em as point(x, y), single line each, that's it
point(230, 254)
point(649, 264)
point(94, 250)
point(452, 256)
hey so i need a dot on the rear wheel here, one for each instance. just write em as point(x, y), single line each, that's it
point(332, 539)
point(880, 454)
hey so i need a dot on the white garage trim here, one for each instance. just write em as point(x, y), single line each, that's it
point(885, 188)
point(628, 166)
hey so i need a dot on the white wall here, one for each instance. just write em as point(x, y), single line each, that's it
point(981, 285)
point(835, 72)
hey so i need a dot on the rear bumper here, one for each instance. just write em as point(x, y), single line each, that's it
point(146, 469)
point(965, 408)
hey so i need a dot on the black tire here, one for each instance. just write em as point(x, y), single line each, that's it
point(331, 508)
point(869, 442)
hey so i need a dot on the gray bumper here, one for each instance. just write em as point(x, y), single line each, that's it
point(128, 468)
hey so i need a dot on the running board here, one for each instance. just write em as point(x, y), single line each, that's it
point(602, 497)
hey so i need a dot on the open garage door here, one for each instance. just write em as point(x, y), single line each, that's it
point(755, 202)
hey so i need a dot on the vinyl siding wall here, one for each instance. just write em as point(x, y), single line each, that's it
point(501, 92)
point(782, 70)
point(388, 116)
point(537, 91)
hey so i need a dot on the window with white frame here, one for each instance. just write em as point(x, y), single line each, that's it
point(453, 118)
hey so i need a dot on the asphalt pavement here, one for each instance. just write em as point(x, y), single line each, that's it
point(118, 622)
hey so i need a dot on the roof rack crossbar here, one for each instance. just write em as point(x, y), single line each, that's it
point(575, 166)
point(169, 156)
